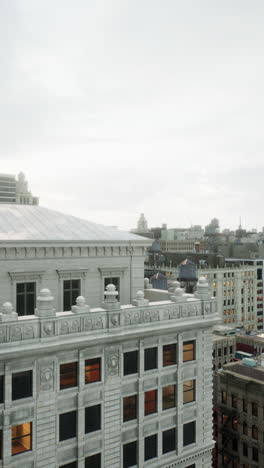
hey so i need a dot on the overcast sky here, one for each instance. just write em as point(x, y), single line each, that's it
point(117, 107)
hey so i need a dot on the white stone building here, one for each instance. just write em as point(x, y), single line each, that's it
point(112, 385)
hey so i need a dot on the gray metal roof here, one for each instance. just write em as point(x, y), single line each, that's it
point(36, 223)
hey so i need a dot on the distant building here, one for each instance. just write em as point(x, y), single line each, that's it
point(235, 289)
point(224, 346)
point(240, 402)
point(181, 246)
point(142, 225)
point(14, 190)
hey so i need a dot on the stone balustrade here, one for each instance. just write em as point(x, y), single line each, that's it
point(49, 324)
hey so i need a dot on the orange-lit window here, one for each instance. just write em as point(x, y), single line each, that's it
point(21, 438)
point(169, 355)
point(188, 351)
point(224, 418)
point(150, 402)
point(92, 370)
point(68, 375)
point(188, 391)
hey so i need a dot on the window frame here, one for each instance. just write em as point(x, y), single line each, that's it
point(146, 440)
point(191, 424)
point(135, 407)
point(131, 443)
point(167, 361)
point(21, 437)
point(66, 373)
point(149, 400)
point(99, 416)
point(193, 350)
point(125, 355)
point(146, 351)
point(22, 371)
point(60, 425)
point(71, 290)
point(25, 294)
point(174, 397)
point(99, 369)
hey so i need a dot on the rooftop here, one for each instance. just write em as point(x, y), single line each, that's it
point(36, 223)
point(246, 372)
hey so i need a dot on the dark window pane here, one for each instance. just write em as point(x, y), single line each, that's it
point(168, 441)
point(21, 385)
point(189, 433)
point(68, 375)
point(129, 408)
point(75, 284)
point(129, 454)
point(94, 461)
point(150, 359)
point(150, 402)
point(92, 370)
point(130, 362)
point(20, 287)
point(92, 418)
point(168, 397)
point(188, 351)
point(21, 438)
point(67, 300)
point(26, 298)
point(169, 355)
point(150, 447)
point(67, 425)
point(1, 389)
point(1, 444)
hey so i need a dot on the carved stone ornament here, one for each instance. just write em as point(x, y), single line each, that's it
point(46, 378)
point(112, 363)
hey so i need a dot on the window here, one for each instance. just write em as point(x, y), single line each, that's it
point(151, 447)
point(245, 450)
point(224, 418)
point(189, 431)
point(234, 401)
point(21, 385)
point(131, 362)
point(188, 391)
point(68, 425)
point(25, 298)
point(225, 350)
point(150, 402)
point(255, 456)
point(129, 454)
point(71, 290)
point(169, 355)
point(150, 358)
point(254, 432)
point(92, 418)
point(245, 428)
point(94, 461)
point(254, 409)
point(1, 389)
point(234, 445)
point(168, 397)
point(188, 351)
point(21, 438)
point(116, 282)
point(234, 423)
point(224, 397)
point(168, 440)
point(92, 370)
point(68, 375)
point(235, 464)
point(129, 408)
point(244, 405)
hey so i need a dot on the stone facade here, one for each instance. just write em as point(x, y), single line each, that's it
point(44, 342)
point(240, 395)
point(235, 290)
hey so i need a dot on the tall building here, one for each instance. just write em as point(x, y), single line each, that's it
point(104, 384)
point(142, 225)
point(14, 190)
point(240, 415)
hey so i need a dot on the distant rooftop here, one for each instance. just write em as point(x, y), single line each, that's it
point(256, 373)
point(36, 223)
